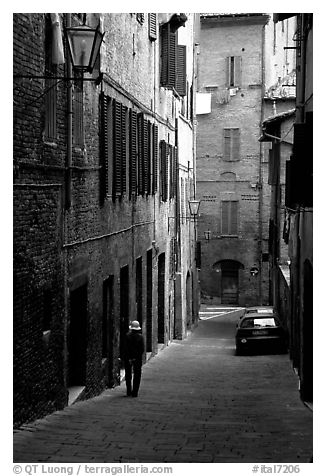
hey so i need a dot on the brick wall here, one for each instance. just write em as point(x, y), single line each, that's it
point(38, 302)
point(218, 179)
point(59, 248)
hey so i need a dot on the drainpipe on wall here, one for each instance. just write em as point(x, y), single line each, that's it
point(69, 127)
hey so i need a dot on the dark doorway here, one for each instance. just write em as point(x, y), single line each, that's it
point(124, 308)
point(230, 282)
point(108, 326)
point(77, 333)
point(149, 301)
point(139, 290)
point(307, 338)
point(189, 300)
point(161, 299)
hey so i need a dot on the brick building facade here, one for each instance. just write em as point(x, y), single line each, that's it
point(100, 172)
point(231, 169)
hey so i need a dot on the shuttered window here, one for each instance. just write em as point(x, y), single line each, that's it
point(152, 26)
point(155, 157)
point(104, 146)
point(168, 56)
point(233, 71)
point(119, 149)
point(164, 170)
point(229, 220)
point(150, 158)
point(173, 171)
point(181, 71)
point(133, 153)
point(231, 144)
point(140, 154)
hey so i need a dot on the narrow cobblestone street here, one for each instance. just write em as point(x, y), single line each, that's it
point(198, 402)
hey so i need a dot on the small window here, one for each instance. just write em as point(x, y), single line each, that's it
point(231, 144)
point(233, 71)
point(230, 217)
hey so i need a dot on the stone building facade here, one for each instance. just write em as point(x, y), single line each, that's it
point(100, 166)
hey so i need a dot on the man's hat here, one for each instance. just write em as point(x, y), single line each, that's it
point(134, 326)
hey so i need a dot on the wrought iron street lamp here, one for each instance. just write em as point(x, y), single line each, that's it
point(84, 45)
point(194, 207)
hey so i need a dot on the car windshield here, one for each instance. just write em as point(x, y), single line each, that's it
point(259, 322)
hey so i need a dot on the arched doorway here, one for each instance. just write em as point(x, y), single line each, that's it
point(229, 281)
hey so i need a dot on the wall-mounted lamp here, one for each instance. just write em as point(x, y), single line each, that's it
point(207, 235)
point(83, 43)
point(193, 208)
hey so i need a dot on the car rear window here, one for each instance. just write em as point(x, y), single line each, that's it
point(259, 322)
point(259, 311)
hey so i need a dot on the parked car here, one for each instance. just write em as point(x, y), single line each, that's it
point(260, 310)
point(260, 330)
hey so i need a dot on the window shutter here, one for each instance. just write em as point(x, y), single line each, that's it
point(174, 169)
point(164, 170)
point(229, 218)
point(166, 178)
point(227, 144)
point(123, 149)
point(104, 146)
point(227, 69)
point(117, 155)
point(145, 151)
point(235, 155)
point(140, 17)
point(133, 153)
point(152, 26)
point(150, 157)
point(181, 72)
point(155, 145)
point(233, 229)
point(168, 53)
point(237, 71)
point(140, 154)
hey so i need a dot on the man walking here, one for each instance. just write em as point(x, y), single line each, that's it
point(134, 349)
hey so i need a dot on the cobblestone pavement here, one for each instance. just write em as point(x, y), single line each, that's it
point(198, 402)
